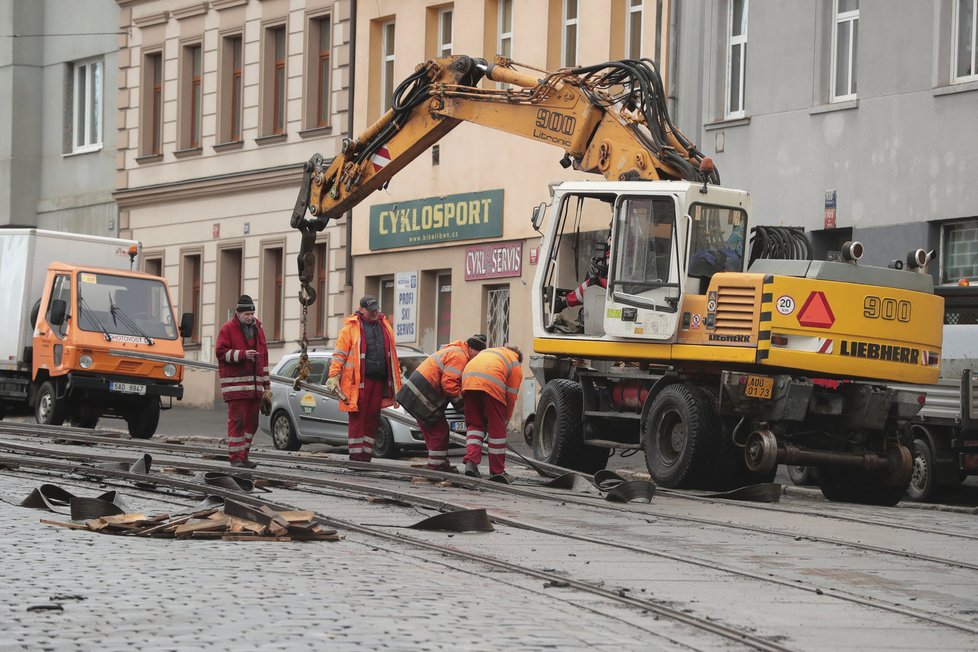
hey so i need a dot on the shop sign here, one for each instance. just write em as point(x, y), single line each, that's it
point(830, 201)
point(465, 216)
point(495, 260)
point(406, 307)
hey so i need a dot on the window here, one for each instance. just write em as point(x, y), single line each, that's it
point(322, 36)
point(659, 29)
point(965, 41)
point(320, 286)
point(568, 41)
point(86, 106)
point(443, 309)
point(633, 30)
point(273, 292)
point(61, 290)
point(960, 251)
point(645, 260)
point(193, 96)
point(231, 89)
point(273, 121)
point(152, 132)
point(386, 65)
point(190, 292)
point(736, 57)
point(845, 40)
point(717, 240)
point(445, 19)
point(504, 44)
point(386, 297)
point(497, 315)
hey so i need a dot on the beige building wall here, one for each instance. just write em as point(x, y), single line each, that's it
point(473, 158)
point(211, 206)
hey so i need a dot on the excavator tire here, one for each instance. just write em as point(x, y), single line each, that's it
point(558, 429)
point(678, 432)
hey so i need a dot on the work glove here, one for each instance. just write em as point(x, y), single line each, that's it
point(266, 402)
point(333, 384)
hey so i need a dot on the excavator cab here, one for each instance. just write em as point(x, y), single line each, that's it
point(667, 240)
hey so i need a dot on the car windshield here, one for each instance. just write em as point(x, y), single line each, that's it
point(409, 362)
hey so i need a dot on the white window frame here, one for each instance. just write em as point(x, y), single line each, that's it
point(566, 22)
point(80, 106)
point(853, 18)
point(946, 253)
point(445, 47)
point(733, 41)
point(956, 45)
point(385, 58)
point(504, 37)
point(633, 9)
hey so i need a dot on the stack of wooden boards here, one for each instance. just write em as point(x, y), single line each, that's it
point(234, 521)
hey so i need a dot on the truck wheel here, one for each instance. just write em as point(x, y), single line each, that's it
point(558, 430)
point(283, 432)
point(384, 445)
point(848, 485)
point(48, 408)
point(83, 422)
point(802, 476)
point(923, 483)
point(676, 432)
point(143, 420)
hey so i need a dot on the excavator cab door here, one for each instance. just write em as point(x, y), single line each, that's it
point(646, 279)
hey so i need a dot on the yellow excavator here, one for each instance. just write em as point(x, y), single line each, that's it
point(717, 359)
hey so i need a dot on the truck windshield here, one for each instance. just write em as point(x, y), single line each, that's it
point(126, 307)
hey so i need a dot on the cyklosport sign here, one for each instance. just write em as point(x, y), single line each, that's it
point(465, 216)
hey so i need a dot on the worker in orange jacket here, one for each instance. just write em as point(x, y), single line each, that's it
point(490, 384)
point(427, 393)
point(365, 374)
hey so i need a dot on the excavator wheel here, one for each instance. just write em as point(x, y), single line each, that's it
point(558, 429)
point(677, 434)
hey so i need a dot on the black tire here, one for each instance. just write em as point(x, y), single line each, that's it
point(802, 476)
point(840, 484)
point(48, 408)
point(527, 431)
point(384, 445)
point(144, 419)
point(558, 434)
point(923, 481)
point(677, 433)
point(81, 422)
point(283, 433)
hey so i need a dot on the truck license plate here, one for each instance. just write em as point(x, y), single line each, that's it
point(759, 387)
point(458, 426)
point(127, 388)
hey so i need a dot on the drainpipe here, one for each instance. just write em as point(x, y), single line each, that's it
point(673, 58)
point(349, 132)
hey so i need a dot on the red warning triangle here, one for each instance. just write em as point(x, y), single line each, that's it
point(816, 312)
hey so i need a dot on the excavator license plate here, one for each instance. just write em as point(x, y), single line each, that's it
point(759, 387)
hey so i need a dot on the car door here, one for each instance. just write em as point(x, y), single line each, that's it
point(310, 408)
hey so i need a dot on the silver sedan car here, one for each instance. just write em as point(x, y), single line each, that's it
point(300, 417)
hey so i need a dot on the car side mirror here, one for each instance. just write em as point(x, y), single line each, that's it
point(187, 324)
point(59, 310)
point(536, 219)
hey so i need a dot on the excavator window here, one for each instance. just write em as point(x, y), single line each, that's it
point(717, 241)
point(645, 254)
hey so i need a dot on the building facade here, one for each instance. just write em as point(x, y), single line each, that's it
point(220, 103)
point(444, 283)
point(58, 65)
point(851, 118)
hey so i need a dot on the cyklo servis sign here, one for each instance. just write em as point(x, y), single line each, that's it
point(465, 216)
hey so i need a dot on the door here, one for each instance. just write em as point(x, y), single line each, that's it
point(47, 338)
point(645, 285)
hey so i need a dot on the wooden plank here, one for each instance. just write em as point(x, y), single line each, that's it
point(70, 526)
point(239, 524)
point(252, 537)
point(122, 519)
point(196, 525)
point(297, 517)
point(204, 513)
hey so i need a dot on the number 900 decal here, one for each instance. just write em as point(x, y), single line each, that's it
point(885, 308)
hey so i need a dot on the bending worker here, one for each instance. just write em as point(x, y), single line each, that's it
point(490, 384)
point(427, 393)
point(366, 369)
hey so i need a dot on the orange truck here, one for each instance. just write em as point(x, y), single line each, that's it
point(73, 306)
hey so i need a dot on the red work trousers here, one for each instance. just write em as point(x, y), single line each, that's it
point(436, 439)
point(364, 422)
point(242, 425)
point(484, 416)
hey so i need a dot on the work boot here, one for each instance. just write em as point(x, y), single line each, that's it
point(503, 477)
point(445, 468)
point(248, 464)
point(237, 463)
point(472, 470)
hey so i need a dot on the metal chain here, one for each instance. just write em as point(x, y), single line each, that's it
point(304, 368)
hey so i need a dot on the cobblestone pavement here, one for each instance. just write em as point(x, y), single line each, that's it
point(119, 593)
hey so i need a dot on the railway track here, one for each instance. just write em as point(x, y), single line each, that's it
point(387, 480)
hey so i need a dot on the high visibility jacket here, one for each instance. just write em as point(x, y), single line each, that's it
point(496, 372)
point(434, 383)
point(348, 362)
point(241, 377)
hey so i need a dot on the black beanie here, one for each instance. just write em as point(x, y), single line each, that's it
point(245, 304)
point(477, 342)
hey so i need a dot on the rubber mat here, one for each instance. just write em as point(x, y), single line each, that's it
point(141, 465)
point(55, 499)
point(630, 490)
point(226, 481)
point(469, 520)
point(210, 501)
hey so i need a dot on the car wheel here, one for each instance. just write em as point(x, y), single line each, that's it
point(283, 432)
point(384, 445)
point(528, 431)
point(48, 408)
point(923, 484)
point(802, 476)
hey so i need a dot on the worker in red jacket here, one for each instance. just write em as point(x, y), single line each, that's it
point(242, 365)
point(427, 393)
point(490, 384)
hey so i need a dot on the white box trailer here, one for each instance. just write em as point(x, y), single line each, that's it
point(25, 254)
